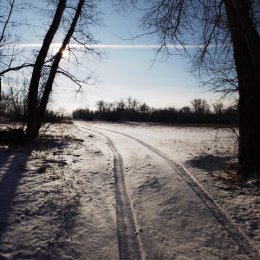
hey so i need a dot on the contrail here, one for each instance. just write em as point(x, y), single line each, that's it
point(104, 46)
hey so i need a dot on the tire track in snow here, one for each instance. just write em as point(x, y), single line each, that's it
point(128, 239)
point(235, 232)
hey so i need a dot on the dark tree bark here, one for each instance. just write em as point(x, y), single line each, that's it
point(46, 66)
point(0, 89)
point(246, 49)
point(220, 27)
point(55, 65)
point(32, 125)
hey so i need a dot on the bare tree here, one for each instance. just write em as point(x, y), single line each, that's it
point(185, 109)
point(69, 29)
point(218, 108)
point(5, 16)
point(226, 35)
point(4, 21)
point(36, 109)
point(101, 105)
point(14, 101)
point(121, 106)
point(9, 55)
point(200, 106)
point(144, 108)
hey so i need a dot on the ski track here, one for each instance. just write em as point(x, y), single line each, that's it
point(235, 232)
point(128, 237)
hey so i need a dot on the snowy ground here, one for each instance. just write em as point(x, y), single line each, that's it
point(127, 191)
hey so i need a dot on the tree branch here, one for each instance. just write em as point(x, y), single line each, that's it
point(7, 21)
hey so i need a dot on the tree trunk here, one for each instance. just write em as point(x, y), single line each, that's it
point(0, 89)
point(55, 65)
point(246, 50)
point(32, 129)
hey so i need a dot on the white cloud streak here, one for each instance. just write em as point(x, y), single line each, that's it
point(105, 46)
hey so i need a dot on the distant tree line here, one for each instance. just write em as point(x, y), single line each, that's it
point(14, 107)
point(133, 110)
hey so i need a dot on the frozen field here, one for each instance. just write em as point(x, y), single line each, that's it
point(127, 191)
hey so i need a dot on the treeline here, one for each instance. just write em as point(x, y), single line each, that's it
point(133, 110)
point(14, 107)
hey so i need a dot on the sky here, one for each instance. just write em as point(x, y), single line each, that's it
point(127, 68)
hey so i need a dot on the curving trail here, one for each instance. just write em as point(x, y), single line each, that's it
point(128, 238)
point(129, 243)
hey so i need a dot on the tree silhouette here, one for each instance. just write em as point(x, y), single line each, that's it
point(200, 106)
point(69, 21)
point(226, 35)
point(37, 108)
point(118, 111)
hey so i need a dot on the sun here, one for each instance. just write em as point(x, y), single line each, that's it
point(56, 48)
point(65, 53)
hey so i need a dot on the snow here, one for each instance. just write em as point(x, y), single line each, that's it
point(126, 191)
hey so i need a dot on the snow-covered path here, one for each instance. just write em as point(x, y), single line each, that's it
point(102, 191)
point(175, 218)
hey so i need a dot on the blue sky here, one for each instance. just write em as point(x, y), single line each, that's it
point(132, 71)
point(127, 69)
